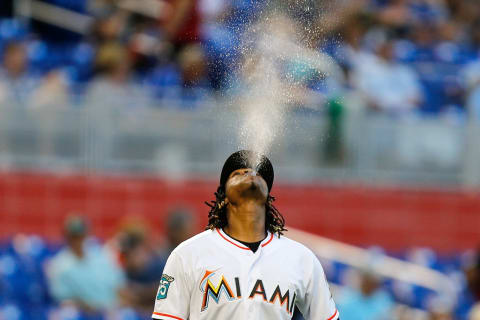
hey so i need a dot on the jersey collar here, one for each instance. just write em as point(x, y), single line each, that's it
point(225, 237)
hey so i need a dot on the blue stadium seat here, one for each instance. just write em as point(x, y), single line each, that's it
point(12, 29)
point(165, 82)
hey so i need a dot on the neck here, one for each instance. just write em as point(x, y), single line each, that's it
point(246, 221)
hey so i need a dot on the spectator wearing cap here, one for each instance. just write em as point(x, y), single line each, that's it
point(83, 274)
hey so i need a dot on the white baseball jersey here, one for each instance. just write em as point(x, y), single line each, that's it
point(213, 276)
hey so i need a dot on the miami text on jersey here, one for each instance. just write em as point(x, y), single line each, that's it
point(223, 289)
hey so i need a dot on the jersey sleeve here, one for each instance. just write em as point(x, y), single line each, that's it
point(317, 302)
point(172, 301)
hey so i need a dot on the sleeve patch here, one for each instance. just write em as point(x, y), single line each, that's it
point(164, 285)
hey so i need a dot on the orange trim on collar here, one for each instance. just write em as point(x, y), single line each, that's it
point(336, 312)
point(166, 315)
point(269, 240)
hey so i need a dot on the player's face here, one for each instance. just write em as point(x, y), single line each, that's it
point(242, 183)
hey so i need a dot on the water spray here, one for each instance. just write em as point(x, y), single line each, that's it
point(267, 93)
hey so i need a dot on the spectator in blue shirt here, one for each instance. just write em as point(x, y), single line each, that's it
point(17, 85)
point(369, 302)
point(84, 274)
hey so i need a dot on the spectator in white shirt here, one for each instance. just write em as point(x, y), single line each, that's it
point(388, 86)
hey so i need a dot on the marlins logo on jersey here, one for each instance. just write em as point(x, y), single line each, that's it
point(223, 289)
point(215, 292)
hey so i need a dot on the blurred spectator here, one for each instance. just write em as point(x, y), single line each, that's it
point(142, 258)
point(182, 26)
point(401, 14)
point(84, 274)
point(352, 48)
point(448, 47)
point(464, 12)
point(220, 40)
point(20, 87)
point(471, 74)
point(370, 302)
point(114, 87)
point(16, 83)
point(396, 13)
point(192, 63)
point(388, 86)
point(148, 46)
point(107, 38)
point(180, 226)
point(52, 91)
point(432, 32)
point(142, 265)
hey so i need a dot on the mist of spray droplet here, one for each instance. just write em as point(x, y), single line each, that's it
point(263, 106)
point(269, 88)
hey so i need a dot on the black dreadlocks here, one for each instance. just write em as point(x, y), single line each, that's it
point(217, 217)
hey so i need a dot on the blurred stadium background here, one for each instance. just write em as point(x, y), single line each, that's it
point(121, 113)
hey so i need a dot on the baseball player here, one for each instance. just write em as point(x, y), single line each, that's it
point(242, 267)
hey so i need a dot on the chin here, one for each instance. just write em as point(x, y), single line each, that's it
point(248, 189)
point(250, 186)
point(253, 190)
